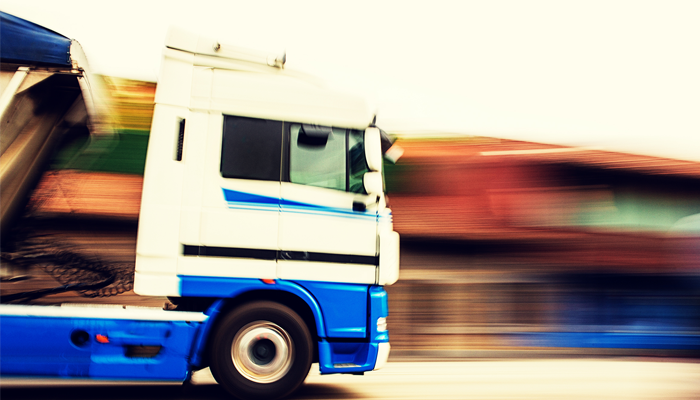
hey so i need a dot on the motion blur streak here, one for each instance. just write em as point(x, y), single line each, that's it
point(475, 379)
point(509, 248)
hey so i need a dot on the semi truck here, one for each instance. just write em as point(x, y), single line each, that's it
point(263, 218)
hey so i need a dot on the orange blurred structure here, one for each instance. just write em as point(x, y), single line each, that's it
point(586, 207)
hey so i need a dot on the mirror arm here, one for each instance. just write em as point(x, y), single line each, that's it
point(361, 204)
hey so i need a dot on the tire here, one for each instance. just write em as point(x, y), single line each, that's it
point(261, 350)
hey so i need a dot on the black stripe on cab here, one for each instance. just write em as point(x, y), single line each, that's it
point(327, 257)
point(209, 251)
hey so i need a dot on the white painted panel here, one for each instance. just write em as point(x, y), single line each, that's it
point(190, 224)
point(217, 62)
point(245, 85)
point(158, 231)
point(234, 224)
point(382, 355)
point(326, 233)
point(159, 219)
point(174, 78)
point(279, 97)
point(181, 39)
point(239, 228)
point(105, 311)
point(147, 284)
point(326, 223)
point(194, 154)
point(326, 272)
point(156, 264)
point(163, 175)
point(201, 88)
point(178, 38)
point(388, 257)
point(227, 267)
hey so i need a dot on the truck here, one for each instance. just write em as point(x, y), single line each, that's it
point(263, 219)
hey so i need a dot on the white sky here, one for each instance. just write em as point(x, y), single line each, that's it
point(619, 75)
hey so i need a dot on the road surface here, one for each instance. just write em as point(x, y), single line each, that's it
point(519, 379)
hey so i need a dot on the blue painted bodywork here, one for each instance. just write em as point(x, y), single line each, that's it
point(42, 346)
point(344, 307)
point(347, 334)
point(250, 201)
point(205, 286)
point(200, 342)
point(361, 355)
point(346, 357)
point(378, 307)
point(235, 196)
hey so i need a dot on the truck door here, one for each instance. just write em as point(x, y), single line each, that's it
point(325, 232)
point(240, 206)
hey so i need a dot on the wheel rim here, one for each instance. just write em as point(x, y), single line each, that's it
point(262, 352)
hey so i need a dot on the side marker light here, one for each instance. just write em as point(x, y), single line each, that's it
point(101, 338)
point(268, 281)
point(381, 324)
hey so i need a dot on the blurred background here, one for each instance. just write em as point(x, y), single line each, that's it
point(509, 248)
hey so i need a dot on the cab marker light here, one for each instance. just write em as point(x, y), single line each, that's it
point(381, 324)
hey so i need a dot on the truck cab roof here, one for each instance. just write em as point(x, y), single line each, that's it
point(243, 82)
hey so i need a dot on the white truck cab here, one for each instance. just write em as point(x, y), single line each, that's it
point(263, 218)
point(254, 171)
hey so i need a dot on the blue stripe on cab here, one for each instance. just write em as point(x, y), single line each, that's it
point(243, 200)
point(288, 203)
point(243, 197)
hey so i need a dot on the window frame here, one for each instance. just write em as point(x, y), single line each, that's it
point(285, 153)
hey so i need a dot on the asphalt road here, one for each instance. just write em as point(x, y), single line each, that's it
point(519, 379)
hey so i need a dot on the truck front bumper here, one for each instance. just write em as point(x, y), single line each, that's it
point(345, 356)
point(351, 358)
point(382, 356)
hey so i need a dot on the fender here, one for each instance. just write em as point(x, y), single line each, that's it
point(230, 288)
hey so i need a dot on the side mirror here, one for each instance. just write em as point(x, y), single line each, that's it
point(373, 150)
point(373, 183)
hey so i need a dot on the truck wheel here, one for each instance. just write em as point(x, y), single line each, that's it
point(261, 350)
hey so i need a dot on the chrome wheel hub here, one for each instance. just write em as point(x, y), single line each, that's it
point(262, 352)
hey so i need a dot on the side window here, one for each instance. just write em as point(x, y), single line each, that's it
point(317, 162)
point(251, 148)
point(327, 157)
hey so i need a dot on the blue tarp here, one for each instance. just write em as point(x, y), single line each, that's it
point(28, 43)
